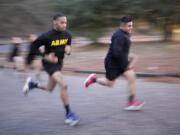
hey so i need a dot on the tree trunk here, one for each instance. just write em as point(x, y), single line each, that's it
point(167, 33)
point(167, 29)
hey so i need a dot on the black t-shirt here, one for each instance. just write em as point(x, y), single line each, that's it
point(54, 41)
point(119, 49)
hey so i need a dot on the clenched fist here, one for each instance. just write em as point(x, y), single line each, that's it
point(51, 58)
point(68, 49)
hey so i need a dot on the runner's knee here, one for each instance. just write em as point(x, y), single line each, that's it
point(50, 89)
point(64, 86)
point(110, 83)
point(131, 76)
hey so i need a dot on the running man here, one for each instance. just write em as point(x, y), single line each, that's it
point(15, 54)
point(118, 62)
point(57, 41)
point(34, 62)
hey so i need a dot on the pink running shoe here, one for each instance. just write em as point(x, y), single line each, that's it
point(89, 80)
point(134, 106)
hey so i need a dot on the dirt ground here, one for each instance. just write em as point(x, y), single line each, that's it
point(153, 57)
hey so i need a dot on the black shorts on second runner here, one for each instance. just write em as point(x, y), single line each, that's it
point(112, 70)
point(51, 68)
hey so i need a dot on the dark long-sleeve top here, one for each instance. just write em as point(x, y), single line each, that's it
point(119, 49)
point(54, 41)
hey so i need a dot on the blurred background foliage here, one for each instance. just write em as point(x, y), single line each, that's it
point(86, 17)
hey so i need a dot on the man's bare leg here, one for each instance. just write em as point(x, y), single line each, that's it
point(37, 64)
point(105, 82)
point(133, 105)
point(63, 86)
point(92, 78)
point(50, 85)
point(131, 78)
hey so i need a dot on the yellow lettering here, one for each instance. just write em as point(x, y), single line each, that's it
point(53, 43)
point(66, 41)
point(63, 41)
point(57, 42)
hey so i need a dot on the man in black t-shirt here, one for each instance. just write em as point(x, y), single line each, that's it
point(118, 61)
point(56, 41)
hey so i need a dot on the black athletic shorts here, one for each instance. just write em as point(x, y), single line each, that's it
point(51, 68)
point(113, 70)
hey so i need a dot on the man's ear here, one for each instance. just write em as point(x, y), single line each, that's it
point(54, 22)
point(123, 25)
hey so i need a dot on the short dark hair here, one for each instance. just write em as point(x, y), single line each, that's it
point(125, 19)
point(56, 16)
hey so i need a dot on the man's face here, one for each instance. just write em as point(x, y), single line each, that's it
point(127, 27)
point(60, 23)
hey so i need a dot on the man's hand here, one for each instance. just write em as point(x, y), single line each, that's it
point(51, 58)
point(68, 49)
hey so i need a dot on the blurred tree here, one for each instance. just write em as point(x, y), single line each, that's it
point(87, 16)
point(91, 16)
point(163, 13)
point(100, 13)
point(22, 17)
point(84, 13)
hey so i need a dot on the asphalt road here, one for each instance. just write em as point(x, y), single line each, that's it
point(100, 108)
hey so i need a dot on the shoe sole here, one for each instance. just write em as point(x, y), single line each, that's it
point(88, 79)
point(72, 123)
point(136, 108)
point(25, 88)
point(75, 123)
point(68, 122)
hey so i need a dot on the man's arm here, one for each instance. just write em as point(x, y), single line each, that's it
point(132, 60)
point(34, 48)
point(51, 58)
point(68, 49)
point(68, 46)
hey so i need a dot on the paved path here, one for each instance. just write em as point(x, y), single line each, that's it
point(100, 109)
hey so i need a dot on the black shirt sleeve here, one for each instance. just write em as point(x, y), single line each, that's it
point(119, 52)
point(34, 48)
point(69, 39)
point(117, 46)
